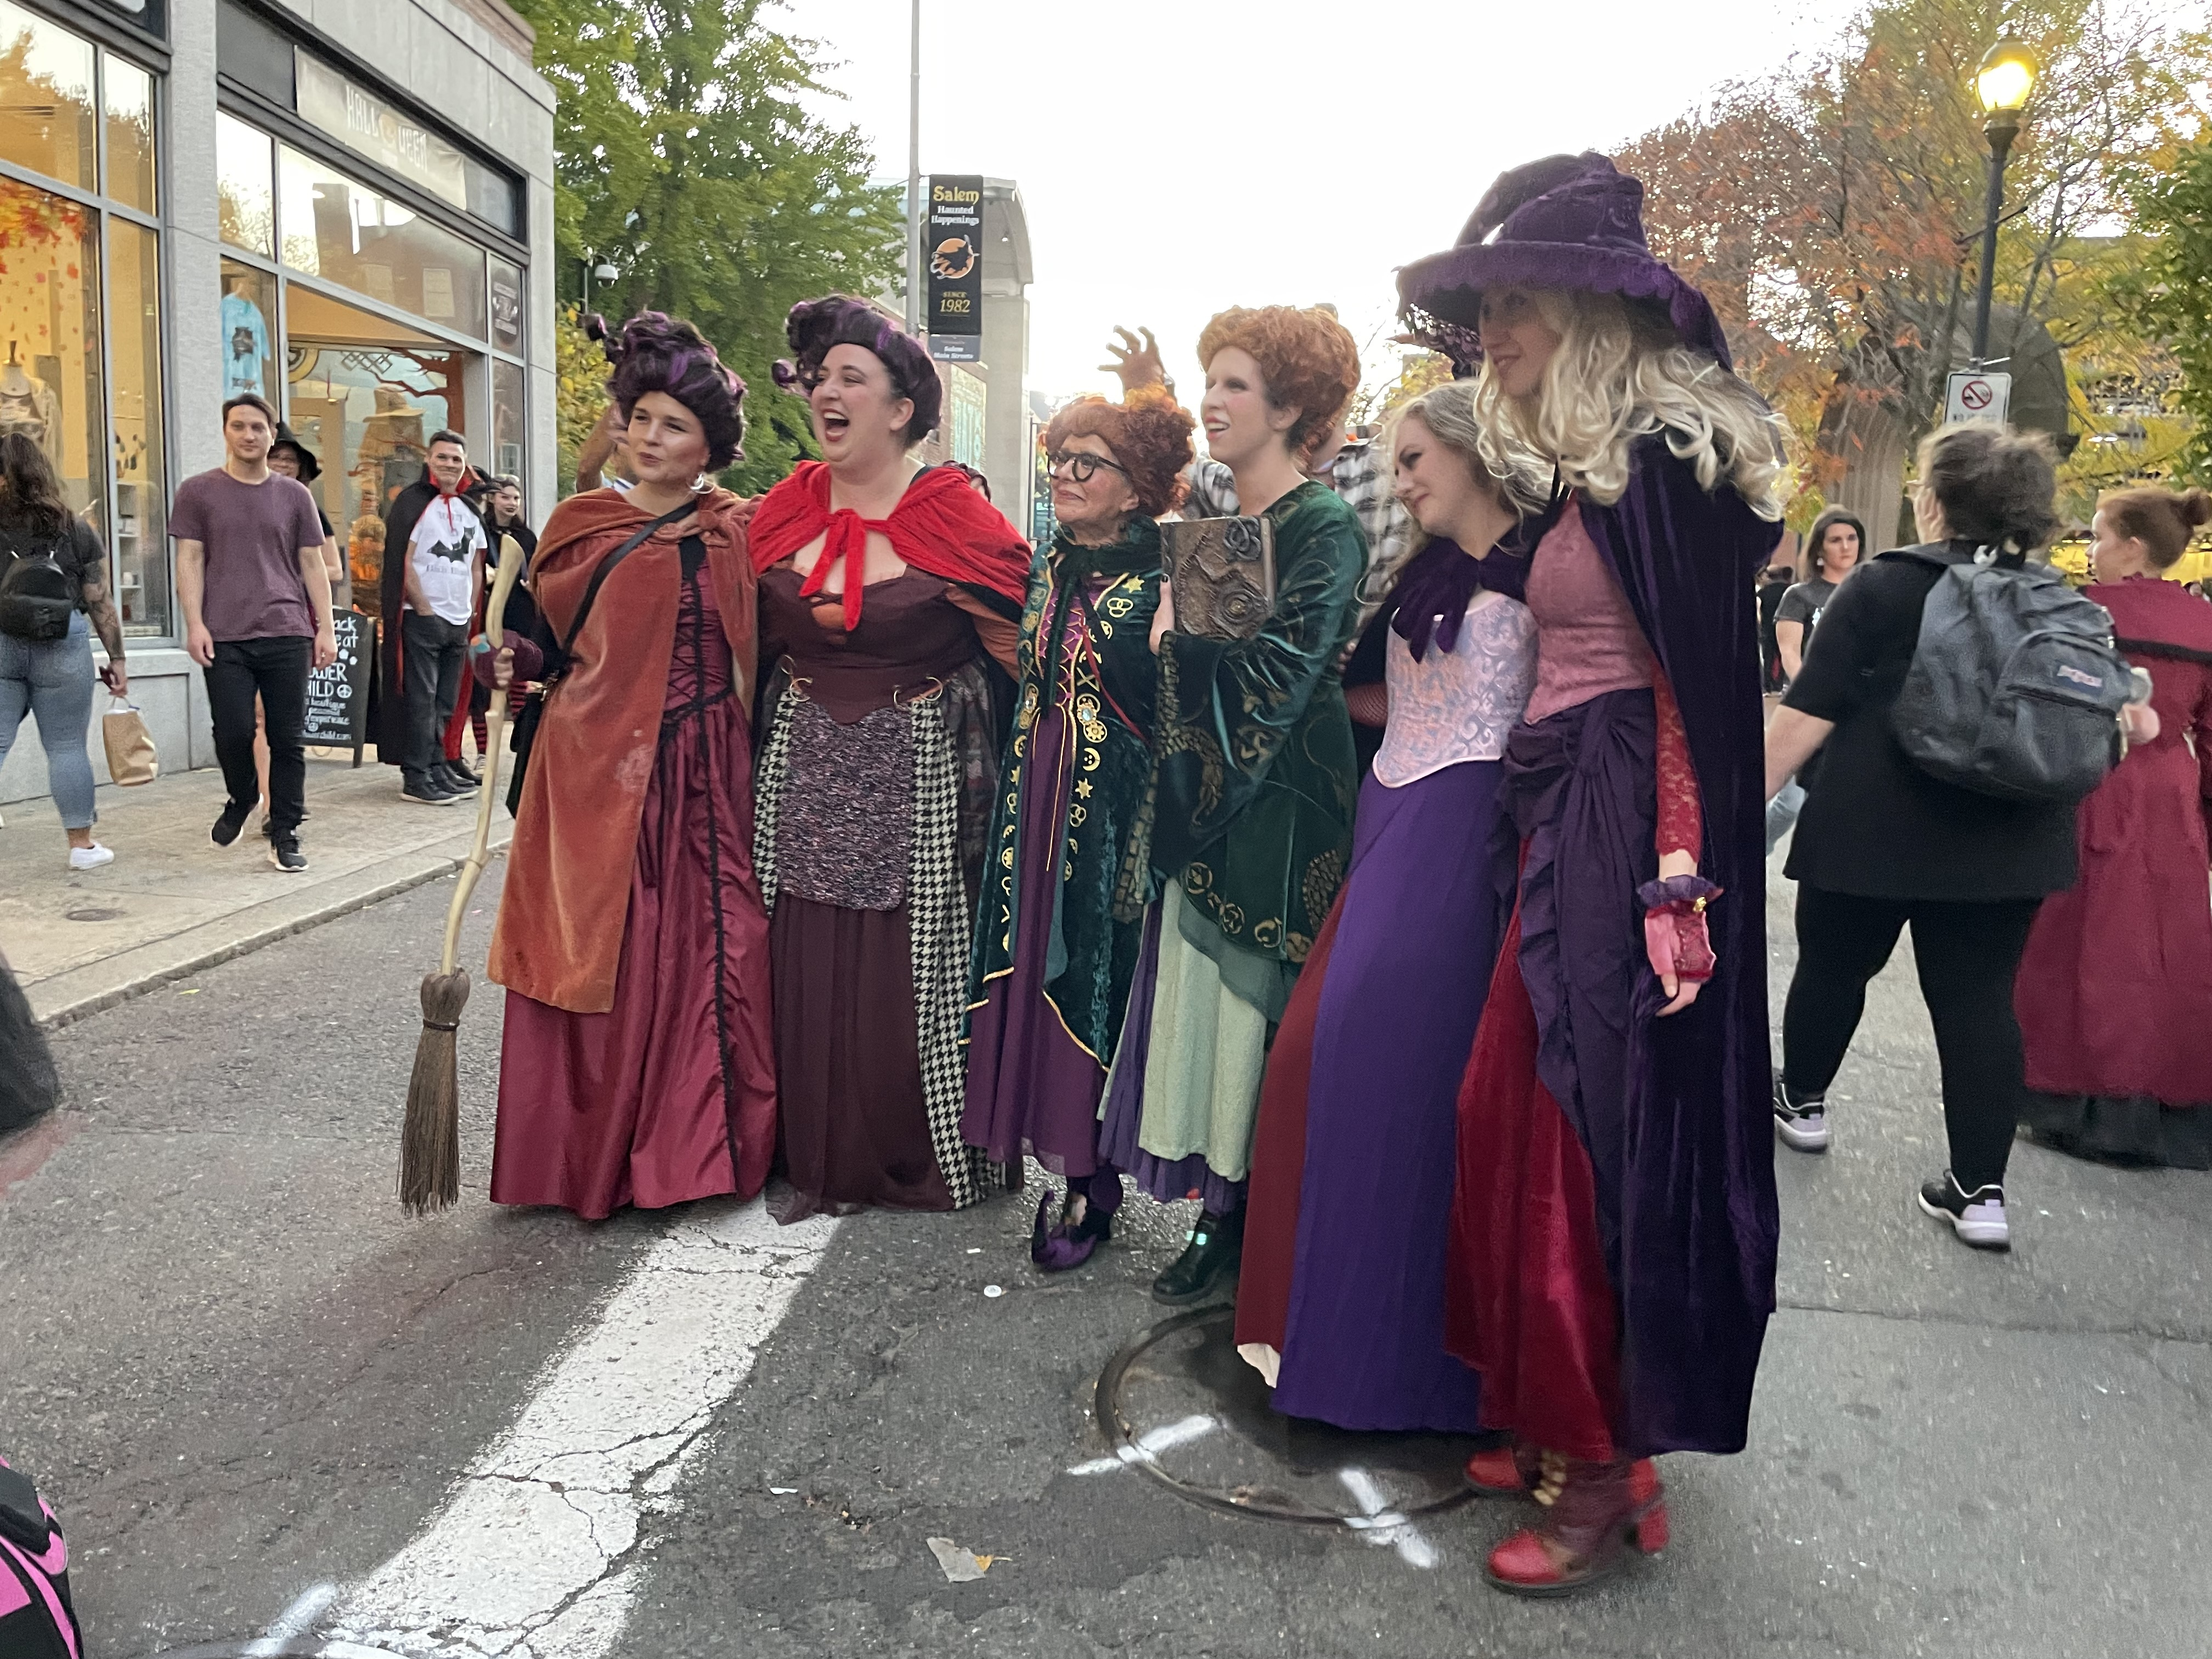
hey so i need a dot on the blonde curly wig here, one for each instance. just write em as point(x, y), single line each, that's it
point(1619, 375)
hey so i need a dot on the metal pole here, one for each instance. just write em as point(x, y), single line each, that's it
point(2002, 132)
point(914, 276)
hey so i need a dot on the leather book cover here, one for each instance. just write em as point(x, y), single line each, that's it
point(1224, 572)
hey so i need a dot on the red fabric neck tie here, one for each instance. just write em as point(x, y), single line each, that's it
point(846, 543)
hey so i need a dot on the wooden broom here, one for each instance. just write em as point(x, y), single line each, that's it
point(430, 1140)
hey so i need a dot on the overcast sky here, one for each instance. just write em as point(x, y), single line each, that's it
point(1178, 156)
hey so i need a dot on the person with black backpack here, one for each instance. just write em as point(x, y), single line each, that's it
point(1962, 701)
point(53, 598)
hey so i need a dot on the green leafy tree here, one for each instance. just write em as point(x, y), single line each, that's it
point(687, 157)
point(2170, 294)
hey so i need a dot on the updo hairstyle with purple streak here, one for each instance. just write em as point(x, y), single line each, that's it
point(815, 325)
point(656, 352)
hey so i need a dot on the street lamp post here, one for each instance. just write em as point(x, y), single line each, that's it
point(2004, 83)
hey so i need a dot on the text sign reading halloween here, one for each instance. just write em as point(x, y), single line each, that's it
point(952, 246)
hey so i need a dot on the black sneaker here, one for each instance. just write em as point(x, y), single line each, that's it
point(428, 792)
point(460, 769)
point(1978, 1216)
point(284, 854)
point(1216, 1250)
point(1802, 1125)
point(233, 820)
point(455, 782)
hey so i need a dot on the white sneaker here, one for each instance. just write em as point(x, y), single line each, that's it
point(1803, 1128)
point(1978, 1217)
point(91, 858)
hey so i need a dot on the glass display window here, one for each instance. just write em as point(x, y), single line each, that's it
point(128, 93)
point(366, 394)
point(246, 195)
point(50, 375)
point(348, 234)
point(141, 541)
point(247, 319)
point(507, 428)
point(48, 116)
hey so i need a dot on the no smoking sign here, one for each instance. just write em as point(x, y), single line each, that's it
point(1977, 394)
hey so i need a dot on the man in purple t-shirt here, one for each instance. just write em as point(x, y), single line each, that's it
point(257, 618)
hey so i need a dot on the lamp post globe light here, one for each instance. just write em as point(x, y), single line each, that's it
point(2004, 83)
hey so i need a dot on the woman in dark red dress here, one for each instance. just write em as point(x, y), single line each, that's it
point(636, 1066)
point(886, 589)
point(2114, 989)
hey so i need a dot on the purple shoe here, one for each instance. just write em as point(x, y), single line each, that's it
point(1064, 1246)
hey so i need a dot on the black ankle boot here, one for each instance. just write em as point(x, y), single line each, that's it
point(1216, 1247)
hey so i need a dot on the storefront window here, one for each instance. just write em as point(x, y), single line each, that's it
point(130, 97)
point(249, 332)
point(45, 98)
point(366, 394)
point(506, 306)
point(134, 346)
point(246, 203)
point(506, 419)
point(349, 234)
point(50, 329)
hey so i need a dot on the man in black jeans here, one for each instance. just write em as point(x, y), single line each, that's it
point(257, 602)
point(434, 545)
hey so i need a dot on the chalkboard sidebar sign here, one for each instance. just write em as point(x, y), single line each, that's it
point(338, 697)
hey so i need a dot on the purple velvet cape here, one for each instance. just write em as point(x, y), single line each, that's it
point(1692, 1253)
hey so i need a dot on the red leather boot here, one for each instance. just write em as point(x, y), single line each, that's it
point(1514, 1469)
point(1596, 1513)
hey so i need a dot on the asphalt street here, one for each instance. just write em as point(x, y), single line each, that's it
point(269, 1405)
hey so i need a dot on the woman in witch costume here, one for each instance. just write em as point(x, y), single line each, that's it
point(887, 589)
point(1250, 821)
point(636, 1066)
point(1612, 1245)
point(1053, 955)
point(1341, 1305)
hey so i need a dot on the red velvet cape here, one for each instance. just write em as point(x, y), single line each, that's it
point(941, 525)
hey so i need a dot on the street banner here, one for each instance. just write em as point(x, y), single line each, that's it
point(1977, 394)
point(953, 243)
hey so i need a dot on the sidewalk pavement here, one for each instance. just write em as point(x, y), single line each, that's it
point(173, 902)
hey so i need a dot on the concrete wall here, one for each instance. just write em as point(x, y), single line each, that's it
point(466, 59)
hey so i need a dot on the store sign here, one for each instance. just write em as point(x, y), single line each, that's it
point(338, 697)
point(367, 124)
point(506, 307)
point(953, 243)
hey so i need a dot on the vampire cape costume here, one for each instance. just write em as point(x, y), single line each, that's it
point(878, 772)
point(638, 1065)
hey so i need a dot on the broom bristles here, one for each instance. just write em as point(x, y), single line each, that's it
point(430, 1141)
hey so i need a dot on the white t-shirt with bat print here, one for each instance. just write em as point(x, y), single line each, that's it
point(442, 550)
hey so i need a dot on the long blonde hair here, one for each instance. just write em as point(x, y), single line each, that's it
point(1619, 375)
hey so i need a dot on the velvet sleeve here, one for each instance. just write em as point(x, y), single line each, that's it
point(1226, 706)
point(1681, 821)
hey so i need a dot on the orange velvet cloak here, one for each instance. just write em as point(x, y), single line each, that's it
point(559, 935)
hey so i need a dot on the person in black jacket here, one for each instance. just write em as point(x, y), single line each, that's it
point(500, 502)
point(432, 574)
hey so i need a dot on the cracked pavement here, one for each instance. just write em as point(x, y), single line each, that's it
point(240, 1373)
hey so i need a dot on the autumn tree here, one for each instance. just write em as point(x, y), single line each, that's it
point(1833, 212)
point(2169, 294)
point(686, 156)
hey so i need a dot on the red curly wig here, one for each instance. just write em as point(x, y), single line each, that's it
point(1149, 434)
point(1308, 360)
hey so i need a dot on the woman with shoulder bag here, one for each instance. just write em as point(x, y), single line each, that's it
point(637, 1067)
point(53, 597)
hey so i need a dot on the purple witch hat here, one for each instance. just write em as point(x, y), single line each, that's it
point(1569, 221)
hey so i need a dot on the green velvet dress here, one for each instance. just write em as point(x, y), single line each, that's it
point(1250, 830)
point(1050, 976)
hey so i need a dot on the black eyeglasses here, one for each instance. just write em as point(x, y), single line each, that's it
point(1083, 466)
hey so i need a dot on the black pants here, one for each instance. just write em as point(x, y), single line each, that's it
point(1968, 955)
point(433, 652)
point(277, 670)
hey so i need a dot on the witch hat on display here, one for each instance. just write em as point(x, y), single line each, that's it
point(1567, 222)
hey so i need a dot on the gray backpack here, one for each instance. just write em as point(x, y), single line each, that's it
point(2015, 688)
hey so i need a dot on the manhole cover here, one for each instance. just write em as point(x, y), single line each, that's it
point(91, 913)
point(1179, 1404)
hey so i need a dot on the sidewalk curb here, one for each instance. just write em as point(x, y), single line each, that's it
point(54, 1006)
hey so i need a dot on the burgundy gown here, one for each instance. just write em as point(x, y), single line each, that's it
point(670, 1095)
point(2118, 977)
